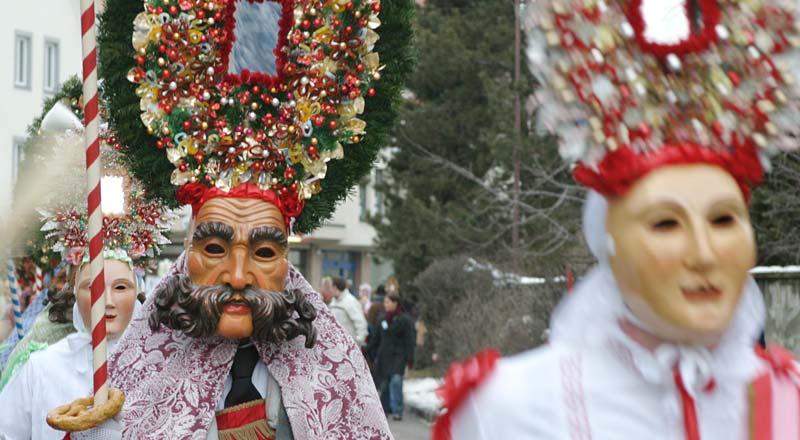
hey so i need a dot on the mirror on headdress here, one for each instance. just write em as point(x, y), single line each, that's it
point(112, 193)
point(666, 21)
point(674, 26)
point(257, 33)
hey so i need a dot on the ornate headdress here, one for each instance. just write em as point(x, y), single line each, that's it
point(133, 227)
point(632, 85)
point(253, 98)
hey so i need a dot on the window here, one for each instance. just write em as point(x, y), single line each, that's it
point(17, 156)
point(378, 192)
point(51, 65)
point(362, 202)
point(22, 60)
point(299, 259)
point(340, 264)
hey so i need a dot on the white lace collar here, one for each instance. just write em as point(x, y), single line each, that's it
point(589, 318)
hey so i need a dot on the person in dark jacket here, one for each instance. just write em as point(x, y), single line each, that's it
point(393, 348)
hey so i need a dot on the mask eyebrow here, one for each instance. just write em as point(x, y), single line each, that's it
point(268, 233)
point(213, 229)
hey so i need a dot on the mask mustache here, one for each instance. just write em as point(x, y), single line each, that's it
point(196, 310)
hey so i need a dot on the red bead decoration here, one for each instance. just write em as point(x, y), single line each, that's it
point(255, 111)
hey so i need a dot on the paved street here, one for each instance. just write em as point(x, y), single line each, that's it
point(411, 428)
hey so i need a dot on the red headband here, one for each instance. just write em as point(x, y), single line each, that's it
point(620, 169)
point(197, 195)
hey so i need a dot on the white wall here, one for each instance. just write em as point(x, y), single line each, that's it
point(346, 228)
point(52, 19)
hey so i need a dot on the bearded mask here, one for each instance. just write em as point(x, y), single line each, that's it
point(198, 310)
point(236, 271)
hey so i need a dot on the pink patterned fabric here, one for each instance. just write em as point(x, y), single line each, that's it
point(172, 382)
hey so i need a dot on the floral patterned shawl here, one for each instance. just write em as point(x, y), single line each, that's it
point(172, 382)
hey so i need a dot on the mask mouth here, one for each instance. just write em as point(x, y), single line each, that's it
point(237, 306)
point(701, 292)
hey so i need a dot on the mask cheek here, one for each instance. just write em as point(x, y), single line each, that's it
point(201, 271)
point(271, 275)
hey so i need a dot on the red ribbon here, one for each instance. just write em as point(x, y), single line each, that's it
point(689, 411)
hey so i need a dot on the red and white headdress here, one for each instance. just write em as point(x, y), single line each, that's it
point(632, 85)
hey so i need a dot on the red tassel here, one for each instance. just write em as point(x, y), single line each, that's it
point(461, 379)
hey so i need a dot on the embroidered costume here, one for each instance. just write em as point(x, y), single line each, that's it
point(261, 115)
point(646, 96)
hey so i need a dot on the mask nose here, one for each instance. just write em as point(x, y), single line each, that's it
point(239, 273)
point(701, 256)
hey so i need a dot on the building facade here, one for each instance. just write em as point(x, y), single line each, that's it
point(344, 245)
point(42, 46)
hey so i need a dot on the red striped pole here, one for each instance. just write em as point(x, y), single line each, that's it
point(93, 171)
point(38, 285)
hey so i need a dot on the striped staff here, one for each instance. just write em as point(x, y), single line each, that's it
point(95, 224)
point(38, 284)
point(14, 288)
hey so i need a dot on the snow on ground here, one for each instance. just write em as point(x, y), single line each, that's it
point(421, 394)
point(775, 269)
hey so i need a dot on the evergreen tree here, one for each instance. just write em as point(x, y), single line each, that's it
point(451, 176)
point(775, 213)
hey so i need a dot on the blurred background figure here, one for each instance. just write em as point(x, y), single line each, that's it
point(326, 289)
point(348, 311)
point(365, 297)
point(6, 316)
point(393, 344)
point(373, 314)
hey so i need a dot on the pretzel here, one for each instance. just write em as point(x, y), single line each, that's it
point(78, 416)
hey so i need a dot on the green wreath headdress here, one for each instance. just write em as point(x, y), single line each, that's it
point(202, 111)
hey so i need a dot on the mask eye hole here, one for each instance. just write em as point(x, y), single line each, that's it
point(666, 225)
point(214, 249)
point(265, 253)
point(723, 220)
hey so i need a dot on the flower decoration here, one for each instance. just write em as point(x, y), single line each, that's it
point(222, 127)
point(625, 103)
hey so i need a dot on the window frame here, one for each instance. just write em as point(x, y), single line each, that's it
point(26, 62)
point(17, 156)
point(380, 200)
point(48, 43)
point(363, 206)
